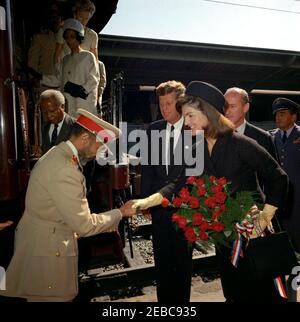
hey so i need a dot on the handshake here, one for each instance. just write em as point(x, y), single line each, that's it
point(132, 207)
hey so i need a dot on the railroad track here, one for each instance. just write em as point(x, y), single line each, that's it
point(129, 278)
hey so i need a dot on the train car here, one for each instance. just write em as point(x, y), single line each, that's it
point(20, 118)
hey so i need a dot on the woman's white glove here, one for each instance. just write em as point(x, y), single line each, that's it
point(151, 201)
point(263, 220)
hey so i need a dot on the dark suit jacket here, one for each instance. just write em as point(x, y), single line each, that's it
point(238, 159)
point(63, 135)
point(262, 137)
point(155, 176)
point(173, 258)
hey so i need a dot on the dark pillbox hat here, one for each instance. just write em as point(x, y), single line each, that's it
point(208, 93)
point(282, 103)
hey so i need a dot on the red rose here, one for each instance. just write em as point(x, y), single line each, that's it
point(210, 202)
point(201, 191)
point(175, 217)
point(203, 235)
point(216, 214)
point(184, 194)
point(190, 234)
point(190, 180)
point(194, 203)
point(182, 222)
point(165, 203)
point(200, 182)
point(177, 202)
point(204, 226)
point(222, 207)
point(217, 226)
point(216, 189)
point(220, 197)
point(212, 178)
point(222, 181)
point(197, 219)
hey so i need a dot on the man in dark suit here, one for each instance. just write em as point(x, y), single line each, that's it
point(173, 257)
point(58, 123)
point(236, 107)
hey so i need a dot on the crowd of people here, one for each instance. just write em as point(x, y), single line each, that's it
point(64, 55)
point(44, 266)
point(233, 149)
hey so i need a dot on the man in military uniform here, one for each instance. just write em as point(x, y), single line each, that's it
point(44, 264)
point(287, 141)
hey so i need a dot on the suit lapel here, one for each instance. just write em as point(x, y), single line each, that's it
point(278, 138)
point(178, 153)
point(45, 136)
point(248, 129)
point(63, 130)
point(162, 142)
point(293, 135)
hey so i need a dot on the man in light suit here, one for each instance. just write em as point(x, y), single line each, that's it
point(52, 104)
point(44, 264)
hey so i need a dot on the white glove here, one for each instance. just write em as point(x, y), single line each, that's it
point(151, 201)
point(263, 220)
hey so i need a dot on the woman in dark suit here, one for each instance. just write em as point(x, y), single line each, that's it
point(238, 159)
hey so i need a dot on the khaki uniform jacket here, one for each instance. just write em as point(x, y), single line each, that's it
point(44, 264)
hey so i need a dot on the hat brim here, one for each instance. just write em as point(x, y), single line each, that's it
point(280, 109)
point(208, 93)
point(103, 130)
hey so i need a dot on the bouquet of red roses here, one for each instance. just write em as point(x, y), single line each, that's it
point(206, 211)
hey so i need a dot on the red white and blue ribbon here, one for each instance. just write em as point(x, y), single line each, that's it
point(237, 250)
point(279, 287)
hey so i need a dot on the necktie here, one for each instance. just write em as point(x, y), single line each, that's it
point(171, 147)
point(54, 135)
point(284, 137)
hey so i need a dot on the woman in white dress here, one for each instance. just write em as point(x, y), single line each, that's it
point(78, 75)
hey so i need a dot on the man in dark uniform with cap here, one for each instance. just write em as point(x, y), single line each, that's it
point(287, 141)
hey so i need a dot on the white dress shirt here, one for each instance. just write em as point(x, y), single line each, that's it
point(177, 132)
